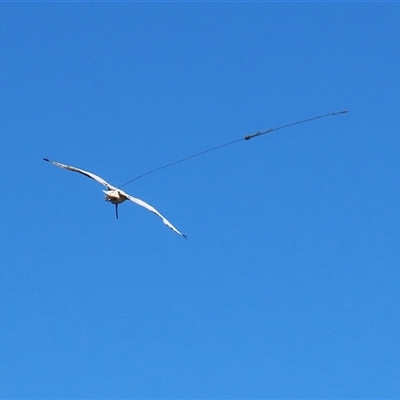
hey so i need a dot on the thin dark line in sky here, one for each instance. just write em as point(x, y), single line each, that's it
point(248, 137)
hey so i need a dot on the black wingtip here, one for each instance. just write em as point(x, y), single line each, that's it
point(46, 159)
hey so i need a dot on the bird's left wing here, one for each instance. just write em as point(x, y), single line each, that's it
point(153, 210)
point(81, 171)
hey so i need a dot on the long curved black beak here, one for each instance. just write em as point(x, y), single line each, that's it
point(116, 210)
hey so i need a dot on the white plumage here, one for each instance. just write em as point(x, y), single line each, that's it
point(114, 195)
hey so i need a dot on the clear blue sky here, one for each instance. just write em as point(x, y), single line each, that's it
point(289, 283)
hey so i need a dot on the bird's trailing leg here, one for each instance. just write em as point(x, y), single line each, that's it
point(116, 210)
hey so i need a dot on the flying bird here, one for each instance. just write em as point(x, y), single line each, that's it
point(114, 195)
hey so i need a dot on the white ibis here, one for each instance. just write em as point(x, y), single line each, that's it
point(114, 195)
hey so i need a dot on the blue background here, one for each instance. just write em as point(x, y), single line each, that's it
point(288, 285)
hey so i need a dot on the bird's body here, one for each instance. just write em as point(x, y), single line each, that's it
point(114, 195)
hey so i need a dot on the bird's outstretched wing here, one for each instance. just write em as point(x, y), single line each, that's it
point(81, 171)
point(153, 210)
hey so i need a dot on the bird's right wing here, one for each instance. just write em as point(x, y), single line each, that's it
point(153, 210)
point(81, 171)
